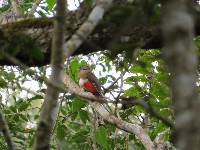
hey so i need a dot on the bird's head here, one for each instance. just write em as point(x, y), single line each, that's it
point(84, 71)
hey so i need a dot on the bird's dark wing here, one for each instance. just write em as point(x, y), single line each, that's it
point(96, 82)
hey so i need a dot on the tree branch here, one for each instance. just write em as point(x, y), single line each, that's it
point(74, 89)
point(113, 83)
point(94, 102)
point(88, 26)
point(94, 119)
point(131, 102)
point(101, 36)
point(16, 8)
point(34, 7)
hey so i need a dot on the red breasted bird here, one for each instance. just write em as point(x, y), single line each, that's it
point(88, 81)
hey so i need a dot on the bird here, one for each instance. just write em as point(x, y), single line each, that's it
point(88, 81)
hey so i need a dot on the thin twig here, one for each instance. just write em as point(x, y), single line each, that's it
point(94, 126)
point(150, 109)
point(121, 88)
point(60, 106)
point(25, 89)
point(107, 116)
point(89, 97)
point(126, 141)
point(16, 8)
point(31, 72)
point(22, 112)
point(34, 7)
point(112, 84)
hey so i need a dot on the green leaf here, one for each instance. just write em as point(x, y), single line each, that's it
point(24, 117)
point(159, 128)
point(74, 115)
point(165, 112)
point(77, 105)
point(133, 91)
point(37, 54)
point(50, 3)
point(139, 69)
point(138, 109)
point(73, 69)
point(60, 132)
point(119, 14)
point(23, 105)
point(103, 80)
point(13, 109)
point(136, 78)
point(36, 97)
point(166, 102)
point(10, 76)
point(161, 76)
point(64, 112)
point(126, 113)
point(84, 116)
point(197, 41)
point(3, 83)
point(160, 90)
point(80, 137)
point(89, 2)
point(101, 137)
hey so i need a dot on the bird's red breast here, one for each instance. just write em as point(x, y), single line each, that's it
point(89, 81)
point(90, 87)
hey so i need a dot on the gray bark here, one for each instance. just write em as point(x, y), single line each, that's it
point(50, 106)
point(178, 29)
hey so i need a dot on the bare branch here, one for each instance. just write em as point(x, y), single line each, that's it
point(16, 8)
point(113, 83)
point(22, 112)
point(88, 26)
point(31, 72)
point(160, 142)
point(25, 89)
point(5, 130)
point(88, 97)
point(94, 119)
point(34, 7)
point(131, 102)
point(74, 89)
point(50, 106)
point(131, 128)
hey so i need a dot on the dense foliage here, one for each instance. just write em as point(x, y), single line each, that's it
point(142, 76)
point(146, 78)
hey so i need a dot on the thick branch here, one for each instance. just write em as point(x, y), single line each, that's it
point(131, 128)
point(88, 26)
point(137, 33)
point(130, 101)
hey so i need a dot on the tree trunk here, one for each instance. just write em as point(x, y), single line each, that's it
point(50, 106)
point(178, 29)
